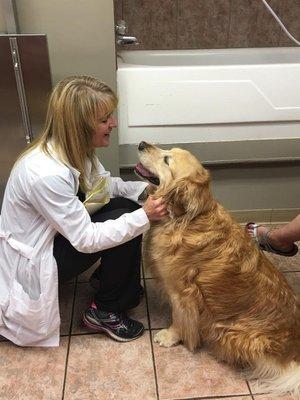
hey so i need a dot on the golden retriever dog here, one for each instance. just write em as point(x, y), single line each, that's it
point(224, 293)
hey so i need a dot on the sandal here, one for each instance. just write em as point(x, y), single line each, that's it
point(264, 244)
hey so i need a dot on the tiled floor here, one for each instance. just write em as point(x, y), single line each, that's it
point(89, 366)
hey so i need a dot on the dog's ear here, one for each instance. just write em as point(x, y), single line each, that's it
point(189, 196)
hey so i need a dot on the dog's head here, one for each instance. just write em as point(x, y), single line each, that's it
point(180, 179)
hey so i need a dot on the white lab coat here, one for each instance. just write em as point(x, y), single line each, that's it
point(40, 200)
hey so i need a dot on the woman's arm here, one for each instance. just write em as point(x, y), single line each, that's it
point(53, 197)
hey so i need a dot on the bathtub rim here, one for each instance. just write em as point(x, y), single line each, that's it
point(243, 51)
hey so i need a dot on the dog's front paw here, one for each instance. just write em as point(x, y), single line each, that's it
point(166, 338)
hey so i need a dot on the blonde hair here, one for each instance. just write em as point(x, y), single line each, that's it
point(71, 120)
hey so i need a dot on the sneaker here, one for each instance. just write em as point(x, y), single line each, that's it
point(116, 325)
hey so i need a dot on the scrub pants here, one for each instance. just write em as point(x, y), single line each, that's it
point(118, 276)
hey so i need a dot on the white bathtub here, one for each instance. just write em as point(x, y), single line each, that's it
point(187, 96)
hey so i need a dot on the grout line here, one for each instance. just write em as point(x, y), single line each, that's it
point(154, 365)
point(69, 341)
point(290, 272)
point(73, 306)
point(229, 24)
point(217, 397)
point(66, 366)
point(176, 24)
point(151, 342)
point(158, 328)
point(249, 388)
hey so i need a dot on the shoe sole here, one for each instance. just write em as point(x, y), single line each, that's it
point(99, 329)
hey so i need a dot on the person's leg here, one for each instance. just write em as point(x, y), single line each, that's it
point(117, 279)
point(286, 235)
point(70, 262)
point(118, 286)
point(118, 276)
point(282, 239)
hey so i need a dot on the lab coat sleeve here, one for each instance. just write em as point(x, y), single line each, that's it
point(53, 197)
point(131, 190)
point(119, 188)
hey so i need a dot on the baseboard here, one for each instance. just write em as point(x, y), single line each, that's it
point(266, 216)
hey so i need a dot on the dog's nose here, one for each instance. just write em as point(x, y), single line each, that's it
point(142, 146)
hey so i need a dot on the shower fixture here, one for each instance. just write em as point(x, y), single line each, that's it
point(121, 29)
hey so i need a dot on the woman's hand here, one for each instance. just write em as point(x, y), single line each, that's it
point(155, 209)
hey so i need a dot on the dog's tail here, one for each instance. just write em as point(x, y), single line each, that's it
point(278, 380)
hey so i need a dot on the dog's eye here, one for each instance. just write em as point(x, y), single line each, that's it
point(166, 160)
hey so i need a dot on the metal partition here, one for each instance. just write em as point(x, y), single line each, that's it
point(25, 84)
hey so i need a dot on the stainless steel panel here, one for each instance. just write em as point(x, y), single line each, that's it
point(12, 137)
point(33, 53)
point(25, 85)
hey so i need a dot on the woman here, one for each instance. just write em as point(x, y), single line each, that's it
point(47, 235)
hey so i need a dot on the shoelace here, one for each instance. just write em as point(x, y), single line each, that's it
point(119, 320)
point(125, 322)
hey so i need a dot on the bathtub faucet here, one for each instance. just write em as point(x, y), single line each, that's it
point(121, 29)
point(126, 39)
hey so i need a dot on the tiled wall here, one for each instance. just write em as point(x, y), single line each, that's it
point(196, 24)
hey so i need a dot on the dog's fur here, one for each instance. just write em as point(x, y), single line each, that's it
point(223, 291)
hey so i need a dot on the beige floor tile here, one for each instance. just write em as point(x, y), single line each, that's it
point(182, 374)
point(100, 368)
point(285, 263)
point(66, 298)
point(84, 296)
point(159, 310)
point(293, 279)
point(233, 398)
point(32, 373)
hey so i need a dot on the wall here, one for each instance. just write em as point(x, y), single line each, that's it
point(189, 24)
point(2, 22)
point(81, 41)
